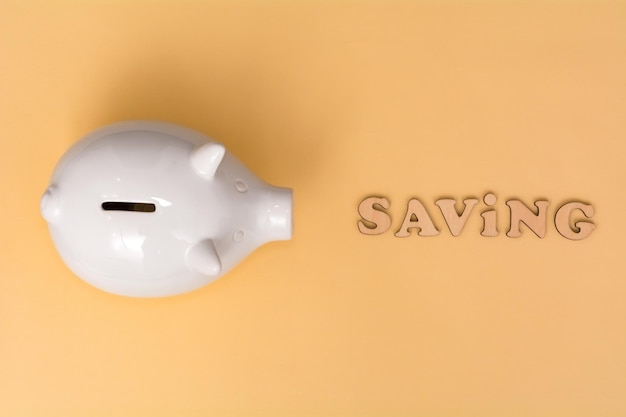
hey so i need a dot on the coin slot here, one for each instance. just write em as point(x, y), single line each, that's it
point(128, 206)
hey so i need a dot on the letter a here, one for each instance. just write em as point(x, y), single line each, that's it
point(417, 217)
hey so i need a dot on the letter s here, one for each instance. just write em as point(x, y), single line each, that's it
point(374, 218)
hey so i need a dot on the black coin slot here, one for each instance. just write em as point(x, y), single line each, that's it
point(128, 206)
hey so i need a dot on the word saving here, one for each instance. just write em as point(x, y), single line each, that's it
point(375, 220)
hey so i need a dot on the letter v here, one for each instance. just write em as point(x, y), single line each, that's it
point(455, 221)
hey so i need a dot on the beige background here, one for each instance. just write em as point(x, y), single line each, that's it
point(338, 100)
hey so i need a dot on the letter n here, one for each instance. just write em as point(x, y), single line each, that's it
point(520, 213)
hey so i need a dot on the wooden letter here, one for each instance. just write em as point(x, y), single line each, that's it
point(455, 220)
point(580, 229)
point(417, 216)
point(374, 218)
point(490, 225)
point(520, 213)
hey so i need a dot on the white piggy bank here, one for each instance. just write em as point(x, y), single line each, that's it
point(150, 209)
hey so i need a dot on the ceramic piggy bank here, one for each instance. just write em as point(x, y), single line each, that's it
point(150, 209)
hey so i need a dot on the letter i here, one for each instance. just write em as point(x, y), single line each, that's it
point(490, 226)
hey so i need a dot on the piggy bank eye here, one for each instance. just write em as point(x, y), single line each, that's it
point(128, 206)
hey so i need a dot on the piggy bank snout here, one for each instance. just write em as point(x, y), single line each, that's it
point(275, 218)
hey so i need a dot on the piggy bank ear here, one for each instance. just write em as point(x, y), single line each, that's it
point(203, 258)
point(207, 158)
